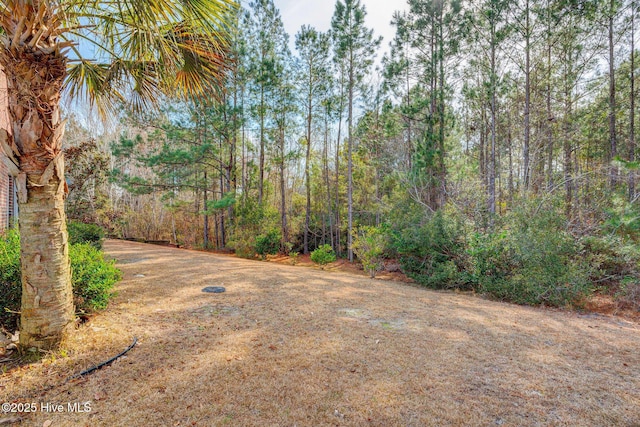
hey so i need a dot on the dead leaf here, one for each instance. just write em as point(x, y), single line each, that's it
point(47, 423)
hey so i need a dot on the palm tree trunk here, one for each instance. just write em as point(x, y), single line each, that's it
point(34, 83)
point(47, 311)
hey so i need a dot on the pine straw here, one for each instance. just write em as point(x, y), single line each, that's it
point(289, 346)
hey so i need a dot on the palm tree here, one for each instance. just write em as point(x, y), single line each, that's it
point(141, 49)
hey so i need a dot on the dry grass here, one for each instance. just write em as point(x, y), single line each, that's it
point(289, 346)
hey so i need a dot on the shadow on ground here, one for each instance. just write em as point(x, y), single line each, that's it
point(297, 346)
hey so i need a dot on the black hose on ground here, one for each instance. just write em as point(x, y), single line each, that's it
point(106, 362)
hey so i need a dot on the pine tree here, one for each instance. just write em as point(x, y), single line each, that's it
point(314, 75)
point(267, 40)
point(355, 45)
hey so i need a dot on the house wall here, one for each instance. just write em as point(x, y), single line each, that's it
point(4, 195)
point(6, 183)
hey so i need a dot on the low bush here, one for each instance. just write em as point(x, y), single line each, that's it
point(80, 232)
point(611, 257)
point(369, 245)
point(431, 250)
point(614, 262)
point(251, 221)
point(268, 244)
point(93, 278)
point(244, 247)
point(628, 293)
point(528, 257)
point(531, 260)
point(323, 255)
point(10, 283)
point(622, 220)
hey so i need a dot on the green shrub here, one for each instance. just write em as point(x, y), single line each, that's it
point(251, 220)
point(431, 250)
point(80, 232)
point(622, 219)
point(531, 260)
point(614, 262)
point(611, 257)
point(628, 293)
point(244, 247)
point(268, 244)
point(92, 277)
point(369, 245)
point(10, 282)
point(323, 255)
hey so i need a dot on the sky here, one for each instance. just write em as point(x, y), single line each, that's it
point(317, 13)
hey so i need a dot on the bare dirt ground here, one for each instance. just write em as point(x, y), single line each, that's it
point(295, 346)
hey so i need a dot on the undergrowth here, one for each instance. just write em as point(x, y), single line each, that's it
point(93, 277)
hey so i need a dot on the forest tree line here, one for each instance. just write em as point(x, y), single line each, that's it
point(492, 148)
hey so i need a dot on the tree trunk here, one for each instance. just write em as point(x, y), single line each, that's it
point(482, 158)
point(527, 99)
point(550, 117)
point(34, 83)
point(307, 167)
point(205, 239)
point(338, 248)
point(632, 105)
point(233, 167)
point(224, 180)
point(47, 312)
point(612, 99)
point(510, 154)
point(409, 117)
point(568, 173)
point(261, 176)
point(283, 194)
point(492, 155)
point(431, 169)
point(441, 92)
point(243, 160)
point(350, 162)
point(325, 156)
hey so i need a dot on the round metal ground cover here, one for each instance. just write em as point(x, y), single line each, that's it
point(214, 289)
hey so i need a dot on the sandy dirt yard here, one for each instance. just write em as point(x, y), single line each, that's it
point(295, 346)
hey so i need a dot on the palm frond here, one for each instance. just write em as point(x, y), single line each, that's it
point(183, 51)
point(142, 48)
point(96, 84)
